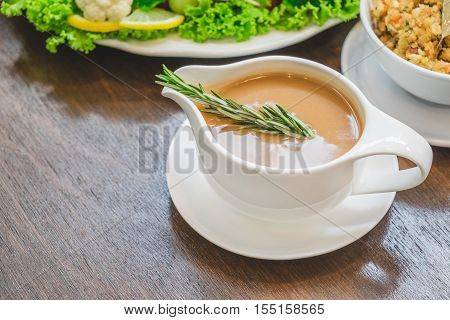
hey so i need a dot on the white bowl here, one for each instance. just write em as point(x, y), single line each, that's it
point(423, 83)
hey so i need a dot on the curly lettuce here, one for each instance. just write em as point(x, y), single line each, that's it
point(232, 19)
point(240, 20)
point(297, 14)
point(50, 16)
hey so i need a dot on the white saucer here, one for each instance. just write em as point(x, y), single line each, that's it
point(359, 64)
point(225, 224)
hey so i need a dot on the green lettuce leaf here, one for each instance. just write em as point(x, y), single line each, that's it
point(231, 19)
point(239, 20)
point(13, 8)
point(146, 4)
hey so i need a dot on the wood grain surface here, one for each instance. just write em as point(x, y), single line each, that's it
point(83, 216)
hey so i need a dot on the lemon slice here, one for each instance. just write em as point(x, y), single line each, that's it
point(155, 19)
point(81, 23)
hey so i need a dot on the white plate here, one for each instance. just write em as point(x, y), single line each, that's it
point(227, 225)
point(174, 46)
point(359, 64)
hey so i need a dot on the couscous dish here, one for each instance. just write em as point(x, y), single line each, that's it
point(412, 29)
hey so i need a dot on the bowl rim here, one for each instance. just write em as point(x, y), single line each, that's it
point(364, 14)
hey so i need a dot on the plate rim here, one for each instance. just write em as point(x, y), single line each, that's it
point(222, 50)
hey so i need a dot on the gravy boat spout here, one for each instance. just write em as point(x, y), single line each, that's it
point(207, 76)
point(199, 127)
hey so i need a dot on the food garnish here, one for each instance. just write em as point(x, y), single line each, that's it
point(178, 6)
point(272, 119)
point(155, 19)
point(104, 10)
point(82, 23)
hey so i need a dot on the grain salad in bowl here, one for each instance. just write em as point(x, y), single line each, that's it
point(404, 45)
point(412, 29)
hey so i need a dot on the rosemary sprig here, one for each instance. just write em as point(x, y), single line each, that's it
point(272, 119)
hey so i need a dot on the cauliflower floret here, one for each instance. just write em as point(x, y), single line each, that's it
point(101, 10)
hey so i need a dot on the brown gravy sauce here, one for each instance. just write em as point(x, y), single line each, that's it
point(338, 127)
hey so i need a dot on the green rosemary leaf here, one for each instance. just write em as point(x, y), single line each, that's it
point(271, 119)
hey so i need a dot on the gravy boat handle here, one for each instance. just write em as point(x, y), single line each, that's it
point(387, 136)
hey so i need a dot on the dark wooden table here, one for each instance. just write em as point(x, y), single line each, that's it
point(80, 218)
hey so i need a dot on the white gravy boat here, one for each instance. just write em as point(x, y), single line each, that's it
point(319, 187)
